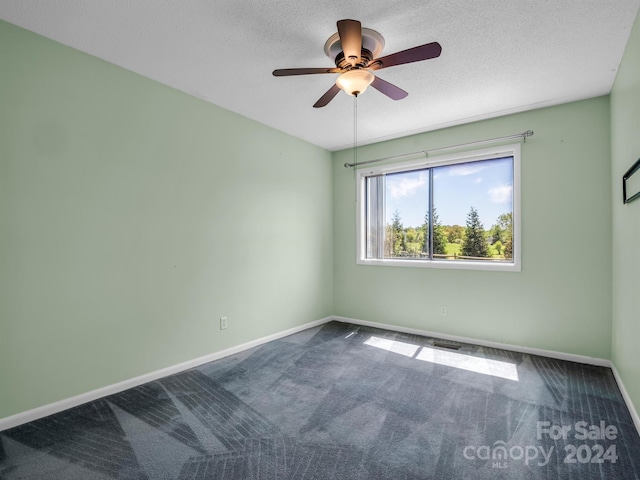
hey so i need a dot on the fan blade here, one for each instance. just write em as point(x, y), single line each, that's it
point(389, 89)
point(327, 97)
point(285, 72)
point(415, 54)
point(350, 33)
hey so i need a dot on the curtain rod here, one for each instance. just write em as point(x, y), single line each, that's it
point(426, 153)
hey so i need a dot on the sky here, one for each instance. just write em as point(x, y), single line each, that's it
point(486, 185)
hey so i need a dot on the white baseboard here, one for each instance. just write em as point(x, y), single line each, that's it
point(50, 409)
point(627, 398)
point(484, 343)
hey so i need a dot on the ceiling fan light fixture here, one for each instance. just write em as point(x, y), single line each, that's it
point(355, 82)
point(355, 50)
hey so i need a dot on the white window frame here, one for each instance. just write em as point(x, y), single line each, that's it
point(436, 161)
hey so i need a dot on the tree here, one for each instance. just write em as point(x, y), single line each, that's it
point(395, 235)
point(497, 234)
point(505, 222)
point(412, 235)
point(456, 234)
point(439, 236)
point(474, 243)
point(414, 238)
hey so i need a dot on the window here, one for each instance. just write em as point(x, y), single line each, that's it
point(453, 211)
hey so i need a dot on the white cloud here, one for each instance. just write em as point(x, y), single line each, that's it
point(405, 186)
point(465, 169)
point(501, 194)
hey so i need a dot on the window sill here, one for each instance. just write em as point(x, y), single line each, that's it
point(451, 264)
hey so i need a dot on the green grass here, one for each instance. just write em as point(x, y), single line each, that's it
point(453, 249)
point(493, 252)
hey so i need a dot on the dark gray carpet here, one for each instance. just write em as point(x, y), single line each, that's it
point(344, 402)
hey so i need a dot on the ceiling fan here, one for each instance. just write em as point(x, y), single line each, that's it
point(355, 50)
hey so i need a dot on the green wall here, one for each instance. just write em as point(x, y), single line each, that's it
point(625, 148)
point(133, 216)
point(562, 298)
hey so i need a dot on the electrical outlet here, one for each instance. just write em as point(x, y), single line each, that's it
point(223, 323)
point(443, 311)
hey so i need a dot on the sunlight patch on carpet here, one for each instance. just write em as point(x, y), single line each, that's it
point(402, 348)
point(481, 365)
point(470, 363)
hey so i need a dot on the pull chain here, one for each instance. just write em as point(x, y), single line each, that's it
point(355, 144)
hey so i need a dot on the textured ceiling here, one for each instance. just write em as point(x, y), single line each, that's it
point(498, 56)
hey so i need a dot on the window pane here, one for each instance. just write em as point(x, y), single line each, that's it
point(473, 211)
point(452, 212)
point(406, 207)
